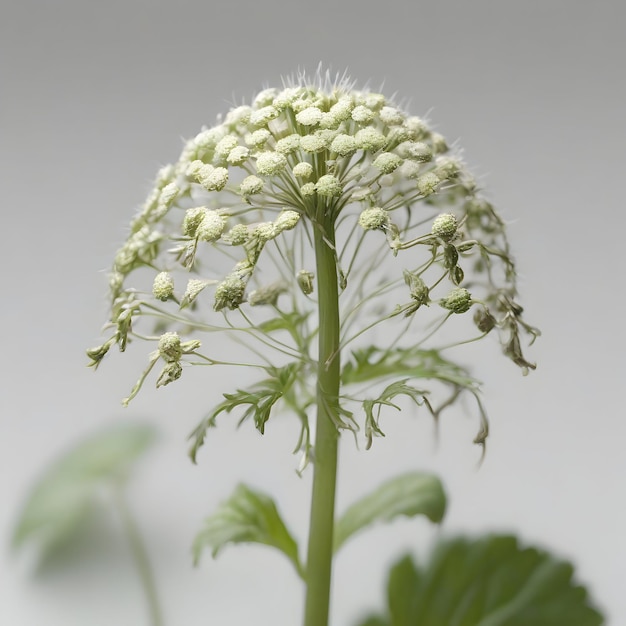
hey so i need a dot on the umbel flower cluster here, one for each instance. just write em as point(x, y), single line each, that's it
point(225, 238)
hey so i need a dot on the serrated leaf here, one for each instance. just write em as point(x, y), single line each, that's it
point(372, 363)
point(248, 516)
point(490, 581)
point(408, 495)
point(59, 502)
point(376, 364)
point(259, 399)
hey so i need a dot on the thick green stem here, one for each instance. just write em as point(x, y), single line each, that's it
point(320, 548)
point(140, 556)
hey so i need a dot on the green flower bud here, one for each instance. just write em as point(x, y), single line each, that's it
point(445, 226)
point(310, 116)
point(308, 189)
point(305, 281)
point(267, 295)
point(302, 170)
point(213, 180)
point(170, 349)
point(238, 155)
point(427, 183)
point(251, 185)
point(374, 218)
point(288, 145)
point(237, 236)
point(391, 116)
point(343, 145)
point(287, 220)
point(258, 138)
point(262, 116)
point(224, 146)
point(171, 371)
point(163, 286)
point(230, 292)
point(415, 150)
point(194, 288)
point(313, 143)
point(192, 220)
point(370, 139)
point(270, 163)
point(211, 227)
point(459, 300)
point(387, 162)
point(439, 143)
point(328, 186)
point(362, 115)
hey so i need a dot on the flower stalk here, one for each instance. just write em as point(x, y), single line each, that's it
point(322, 516)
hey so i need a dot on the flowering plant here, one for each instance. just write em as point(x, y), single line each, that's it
point(301, 225)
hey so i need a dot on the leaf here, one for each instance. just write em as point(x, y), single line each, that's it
point(371, 363)
point(248, 516)
point(409, 495)
point(260, 400)
point(60, 501)
point(490, 581)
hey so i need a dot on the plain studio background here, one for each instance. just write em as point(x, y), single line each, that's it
point(94, 97)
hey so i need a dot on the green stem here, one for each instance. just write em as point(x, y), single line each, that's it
point(140, 556)
point(320, 548)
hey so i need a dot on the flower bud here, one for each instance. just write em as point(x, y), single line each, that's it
point(387, 162)
point(305, 281)
point(445, 226)
point(427, 183)
point(459, 300)
point(370, 139)
point(268, 294)
point(288, 145)
point(328, 186)
point(258, 138)
point(211, 227)
point(229, 293)
point(374, 218)
point(194, 287)
point(251, 185)
point(270, 163)
point(362, 115)
point(169, 347)
point(309, 116)
point(302, 170)
point(171, 371)
point(287, 220)
point(238, 155)
point(163, 286)
point(237, 236)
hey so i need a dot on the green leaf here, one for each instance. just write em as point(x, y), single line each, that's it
point(248, 516)
point(372, 363)
point(490, 581)
point(260, 400)
point(60, 501)
point(409, 495)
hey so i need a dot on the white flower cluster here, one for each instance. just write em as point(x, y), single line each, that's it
point(294, 158)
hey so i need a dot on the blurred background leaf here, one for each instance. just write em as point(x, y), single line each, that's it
point(60, 502)
point(490, 581)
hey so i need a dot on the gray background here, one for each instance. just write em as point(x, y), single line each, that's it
point(95, 96)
